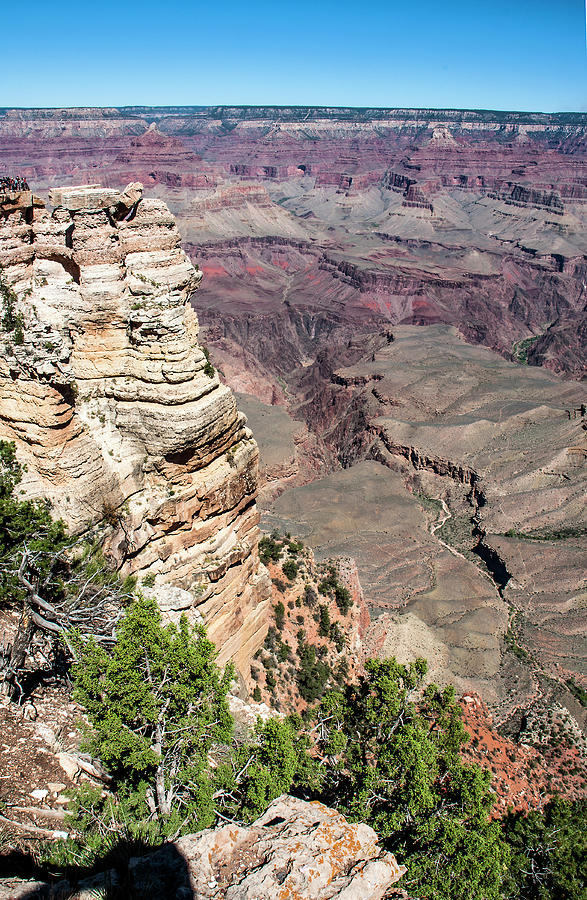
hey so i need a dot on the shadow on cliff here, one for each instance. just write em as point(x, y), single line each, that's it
point(165, 878)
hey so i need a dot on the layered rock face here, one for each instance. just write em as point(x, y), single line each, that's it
point(116, 412)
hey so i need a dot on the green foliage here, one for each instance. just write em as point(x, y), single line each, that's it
point(548, 852)
point(295, 547)
point(395, 765)
point(257, 694)
point(26, 523)
point(520, 349)
point(209, 369)
point(577, 691)
point(283, 652)
point(279, 611)
point(313, 674)
point(343, 599)
point(558, 534)
point(337, 637)
point(156, 704)
point(290, 569)
point(323, 621)
point(310, 596)
point(11, 320)
point(332, 587)
point(262, 769)
point(270, 550)
point(511, 640)
point(103, 827)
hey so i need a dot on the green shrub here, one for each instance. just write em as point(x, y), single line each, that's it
point(156, 705)
point(578, 692)
point(270, 550)
point(324, 621)
point(209, 369)
point(312, 674)
point(279, 611)
point(548, 852)
point(295, 547)
point(332, 587)
point(395, 765)
point(337, 637)
point(283, 651)
point(290, 569)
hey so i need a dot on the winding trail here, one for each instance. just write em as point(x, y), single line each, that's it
point(436, 525)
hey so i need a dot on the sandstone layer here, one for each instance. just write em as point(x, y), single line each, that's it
point(118, 416)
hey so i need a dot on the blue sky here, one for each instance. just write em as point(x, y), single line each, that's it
point(492, 55)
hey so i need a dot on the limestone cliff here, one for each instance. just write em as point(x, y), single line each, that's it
point(121, 421)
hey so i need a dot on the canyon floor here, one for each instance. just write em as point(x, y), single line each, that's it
point(464, 511)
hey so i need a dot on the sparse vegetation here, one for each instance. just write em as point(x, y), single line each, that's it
point(558, 534)
point(511, 640)
point(270, 549)
point(520, 349)
point(290, 569)
point(577, 691)
point(12, 321)
point(209, 369)
point(332, 587)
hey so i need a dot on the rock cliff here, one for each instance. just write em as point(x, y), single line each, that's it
point(118, 415)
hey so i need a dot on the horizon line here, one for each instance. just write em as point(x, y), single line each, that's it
point(294, 106)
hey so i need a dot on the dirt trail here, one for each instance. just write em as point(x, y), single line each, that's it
point(436, 525)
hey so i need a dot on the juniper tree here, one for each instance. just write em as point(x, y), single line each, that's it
point(157, 705)
point(57, 584)
point(390, 757)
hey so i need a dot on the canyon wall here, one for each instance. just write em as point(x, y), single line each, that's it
point(119, 417)
point(471, 218)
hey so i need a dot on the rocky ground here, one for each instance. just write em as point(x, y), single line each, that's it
point(295, 849)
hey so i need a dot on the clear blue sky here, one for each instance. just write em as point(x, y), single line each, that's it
point(520, 54)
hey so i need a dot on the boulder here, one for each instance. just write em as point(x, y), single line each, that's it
point(295, 850)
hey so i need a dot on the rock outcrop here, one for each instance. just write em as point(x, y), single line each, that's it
point(294, 850)
point(115, 410)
